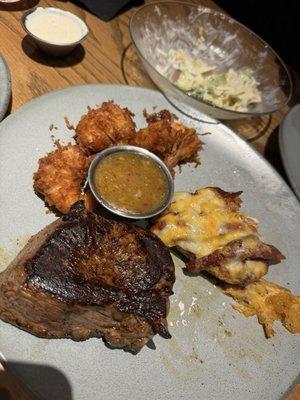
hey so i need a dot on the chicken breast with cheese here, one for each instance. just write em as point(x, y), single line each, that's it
point(209, 228)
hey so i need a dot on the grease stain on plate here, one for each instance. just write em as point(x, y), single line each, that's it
point(9, 252)
point(198, 306)
point(39, 352)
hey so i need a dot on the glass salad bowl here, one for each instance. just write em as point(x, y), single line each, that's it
point(163, 31)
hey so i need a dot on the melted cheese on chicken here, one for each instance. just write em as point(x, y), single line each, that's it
point(208, 227)
point(203, 222)
point(270, 302)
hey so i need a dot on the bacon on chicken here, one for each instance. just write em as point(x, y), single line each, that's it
point(208, 227)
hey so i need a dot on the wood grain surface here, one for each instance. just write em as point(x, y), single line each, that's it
point(107, 56)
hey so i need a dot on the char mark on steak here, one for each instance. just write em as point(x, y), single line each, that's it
point(85, 276)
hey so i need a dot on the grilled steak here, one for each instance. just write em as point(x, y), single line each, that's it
point(85, 276)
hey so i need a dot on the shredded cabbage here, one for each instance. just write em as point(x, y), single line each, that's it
point(234, 90)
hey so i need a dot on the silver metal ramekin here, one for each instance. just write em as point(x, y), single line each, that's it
point(137, 150)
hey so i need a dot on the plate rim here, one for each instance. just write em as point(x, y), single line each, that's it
point(282, 147)
point(12, 117)
point(6, 85)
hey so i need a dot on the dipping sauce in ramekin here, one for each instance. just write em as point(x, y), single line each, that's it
point(54, 30)
point(130, 181)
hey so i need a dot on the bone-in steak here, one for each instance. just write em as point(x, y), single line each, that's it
point(85, 276)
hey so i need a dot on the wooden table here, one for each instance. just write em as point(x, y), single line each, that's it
point(107, 56)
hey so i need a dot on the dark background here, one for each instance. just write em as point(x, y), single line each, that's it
point(277, 22)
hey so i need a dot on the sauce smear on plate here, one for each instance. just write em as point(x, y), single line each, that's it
point(131, 182)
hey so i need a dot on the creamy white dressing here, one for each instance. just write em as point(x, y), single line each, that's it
point(56, 27)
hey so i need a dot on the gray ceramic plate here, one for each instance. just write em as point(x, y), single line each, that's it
point(289, 141)
point(214, 353)
point(5, 88)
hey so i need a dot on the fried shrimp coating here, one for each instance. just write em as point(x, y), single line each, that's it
point(60, 177)
point(105, 126)
point(61, 173)
point(173, 142)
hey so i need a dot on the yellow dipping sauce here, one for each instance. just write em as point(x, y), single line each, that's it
point(131, 182)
